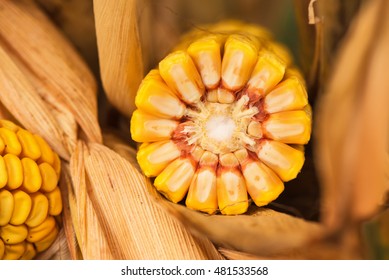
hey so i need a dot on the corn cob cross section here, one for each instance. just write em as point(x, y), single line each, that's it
point(30, 199)
point(220, 120)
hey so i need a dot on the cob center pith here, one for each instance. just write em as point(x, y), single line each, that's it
point(218, 128)
point(222, 120)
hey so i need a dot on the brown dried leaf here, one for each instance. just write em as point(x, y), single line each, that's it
point(136, 226)
point(70, 222)
point(5, 114)
point(352, 122)
point(262, 232)
point(19, 96)
point(91, 235)
point(236, 255)
point(52, 64)
point(119, 51)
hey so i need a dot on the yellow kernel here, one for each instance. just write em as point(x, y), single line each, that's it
point(156, 98)
point(39, 209)
point(262, 183)
point(6, 207)
point(39, 232)
point(46, 242)
point(55, 202)
point(173, 182)
point(148, 128)
point(153, 158)
point(288, 95)
point(47, 154)
point(291, 127)
point(267, 73)
point(202, 195)
point(14, 170)
point(30, 147)
point(231, 187)
point(240, 56)
point(22, 207)
point(284, 160)
point(29, 252)
point(206, 54)
point(9, 125)
point(3, 173)
point(11, 141)
point(32, 179)
point(179, 72)
point(49, 177)
point(14, 251)
point(13, 234)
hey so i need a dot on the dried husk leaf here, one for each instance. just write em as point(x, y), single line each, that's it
point(27, 106)
point(91, 236)
point(5, 114)
point(262, 231)
point(137, 228)
point(294, 255)
point(352, 124)
point(115, 141)
point(119, 51)
point(52, 66)
point(237, 255)
point(70, 220)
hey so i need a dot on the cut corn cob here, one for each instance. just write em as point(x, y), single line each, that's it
point(29, 193)
point(233, 94)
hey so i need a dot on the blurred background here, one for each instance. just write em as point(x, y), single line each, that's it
point(162, 22)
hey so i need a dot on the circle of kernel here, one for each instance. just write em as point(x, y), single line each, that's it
point(217, 175)
point(30, 199)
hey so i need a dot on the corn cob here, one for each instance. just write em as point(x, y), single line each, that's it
point(29, 197)
point(220, 120)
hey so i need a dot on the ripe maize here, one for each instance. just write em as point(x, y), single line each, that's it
point(222, 120)
point(29, 195)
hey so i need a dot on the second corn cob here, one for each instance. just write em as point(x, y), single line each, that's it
point(222, 120)
point(30, 199)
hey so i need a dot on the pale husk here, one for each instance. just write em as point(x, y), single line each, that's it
point(55, 74)
point(137, 227)
point(27, 106)
point(119, 49)
point(262, 232)
point(91, 236)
